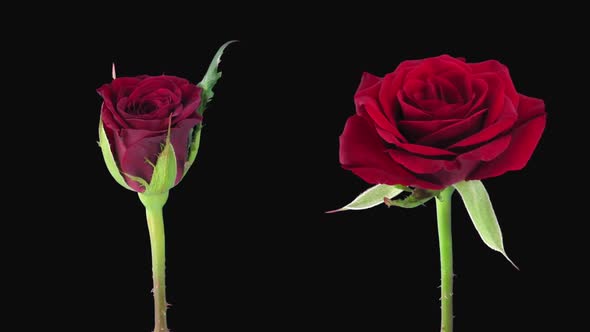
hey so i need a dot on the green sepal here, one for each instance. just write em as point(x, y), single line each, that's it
point(107, 154)
point(372, 197)
point(479, 206)
point(417, 198)
point(193, 147)
point(211, 78)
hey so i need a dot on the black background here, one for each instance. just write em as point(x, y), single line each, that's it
point(248, 243)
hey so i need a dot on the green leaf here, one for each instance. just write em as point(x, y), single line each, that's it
point(371, 197)
point(193, 147)
point(478, 204)
point(107, 154)
point(211, 78)
point(164, 175)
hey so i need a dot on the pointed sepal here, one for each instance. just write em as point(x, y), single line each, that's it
point(107, 155)
point(417, 198)
point(372, 197)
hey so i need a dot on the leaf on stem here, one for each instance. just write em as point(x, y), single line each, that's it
point(194, 147)
point(211, 78)
point(478, 205)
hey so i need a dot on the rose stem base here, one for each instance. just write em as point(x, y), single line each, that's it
point(154, 203)
point(445, 239)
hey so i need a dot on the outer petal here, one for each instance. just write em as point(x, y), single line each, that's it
point(179, 137)
point(488, 151)
point(108, 106)
point(419, 164)
point(109, 119)
point(148, 124)
point(191, 99)
point(368, 105)
point(525, 137)
point(493, 66)
point(363, 152)
point(368, 81)
point(529, 108)
point(134, 149)
point(503, 124)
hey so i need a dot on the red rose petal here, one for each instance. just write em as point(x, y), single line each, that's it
point(366, 103)
point(151, 84)
point(504, 123)
point(122, 106)
point(368, 81)
point(447, 177)
point(418, 90)
point(108, 106)
point(372, 109)
point(495, 99)
point(411, 112)
point(480, 91)
point(528, 108)
point(489, 150)
point(428, 151)
point(123, 86)
point(111, 119)
point(493, 66)
point(191, 102)
point(524, 140)
point(452, 111)
point(180, 139)
point(455, 87)
point(148, 124)
point(454, 132)
point(191, 96)
point(134, 146)
point(363, 153)
point(418, 164)
point(133, 161)
point(391, 85)
point(414, 130)
point(438, 65)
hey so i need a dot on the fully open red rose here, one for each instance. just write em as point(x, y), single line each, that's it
point(136, 114)
point(438, 121)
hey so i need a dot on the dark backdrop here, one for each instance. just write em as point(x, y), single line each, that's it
point(248, 243)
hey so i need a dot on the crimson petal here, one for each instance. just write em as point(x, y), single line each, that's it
point(524, 140)
point(503, 123)
point(454, 132)
point(363, 153)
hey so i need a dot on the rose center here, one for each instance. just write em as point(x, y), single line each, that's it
point(141, 108)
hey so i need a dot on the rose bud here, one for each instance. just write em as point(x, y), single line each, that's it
point(150, 127)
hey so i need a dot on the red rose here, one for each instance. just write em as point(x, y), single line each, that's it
point(437, 121)
point(137, 112)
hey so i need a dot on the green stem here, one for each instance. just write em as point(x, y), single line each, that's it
point(153, 207)
point(445, 239)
